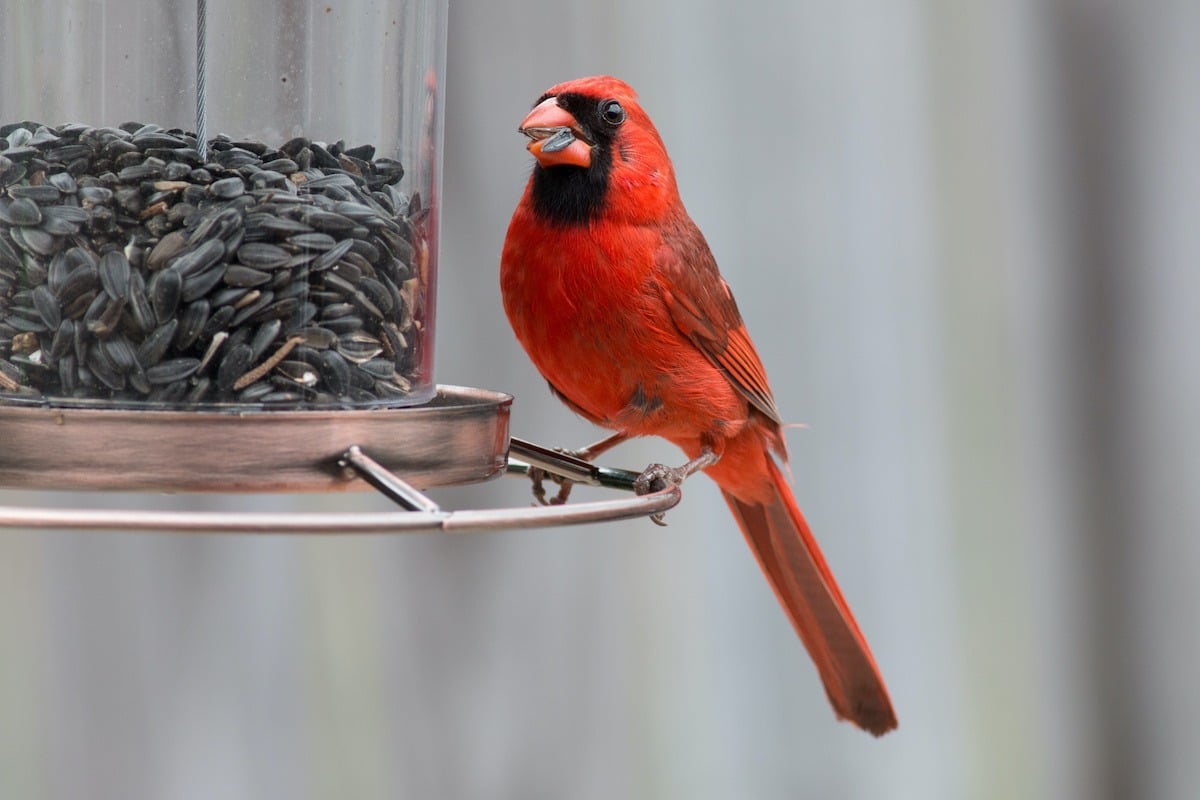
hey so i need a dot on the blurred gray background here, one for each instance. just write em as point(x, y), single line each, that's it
point(964, 236)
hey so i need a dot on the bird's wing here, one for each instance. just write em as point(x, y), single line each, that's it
point(703, 309)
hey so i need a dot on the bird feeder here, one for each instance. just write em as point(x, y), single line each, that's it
point(218, 265)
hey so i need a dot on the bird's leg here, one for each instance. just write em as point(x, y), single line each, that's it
point(598, 448)
point(657, 477)
point(538, 475)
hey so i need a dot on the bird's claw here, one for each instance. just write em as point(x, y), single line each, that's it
point(656, 478)
point(538, 476)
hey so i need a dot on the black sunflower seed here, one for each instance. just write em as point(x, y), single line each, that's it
point(359, 346)
point(140, 172)
point(64, 182)
point(237, 362)
point(218, 321)
point(243, 276)
point(47, 306)
point(227, 188)
point(140, 310)
point(378, 294)
point(264, 335)
point(103, 370)
point(307, 241)
point(63, 220)
point(167, 248)
point(36, 242)
point(45, 193)
point(360, 379)
point(95, 196)
point(62, 342)
point(191, 323)
point(334, 371)
point(262, 255)
point(79, 306)
point(350, 323)
point(8, 256)
point(121, 353)
point(379, 368)
point(81, 280)
point(68, 375)
point(199, 258)
point(283, 309)
point(199, 284)
point(165, 290)
point(332, 255)
point(114, 273)
point(175, 369)
point(21, 211)
point(104, 323)
point(336, 310)
point(154, 346)
point(255, 392)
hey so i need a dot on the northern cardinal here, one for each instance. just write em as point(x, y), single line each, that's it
point(613, 292)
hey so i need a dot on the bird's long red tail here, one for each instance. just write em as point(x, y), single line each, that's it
point(788, 554)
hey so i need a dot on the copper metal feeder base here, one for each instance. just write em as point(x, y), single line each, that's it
point(459, 437)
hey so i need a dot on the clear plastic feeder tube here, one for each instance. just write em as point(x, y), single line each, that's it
point(286, 258)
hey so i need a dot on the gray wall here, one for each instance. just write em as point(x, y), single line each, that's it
point(964, 237)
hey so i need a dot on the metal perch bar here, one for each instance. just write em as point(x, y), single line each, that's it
point(529, 455)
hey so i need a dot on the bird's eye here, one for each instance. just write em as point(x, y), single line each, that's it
point(612, 113)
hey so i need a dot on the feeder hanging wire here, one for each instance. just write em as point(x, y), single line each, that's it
point(201, 72)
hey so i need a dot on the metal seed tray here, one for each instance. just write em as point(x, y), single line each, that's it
point(461, 436)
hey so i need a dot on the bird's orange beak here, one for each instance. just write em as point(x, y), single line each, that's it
point(555, 136)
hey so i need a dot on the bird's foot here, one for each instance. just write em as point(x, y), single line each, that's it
point(538, 477)
point(657, 477)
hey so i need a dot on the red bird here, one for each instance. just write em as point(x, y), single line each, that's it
point(613, 292)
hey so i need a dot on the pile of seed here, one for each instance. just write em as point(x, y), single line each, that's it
point(134, 270)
